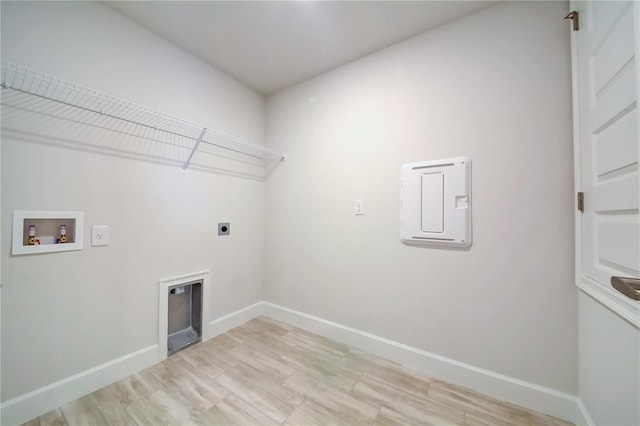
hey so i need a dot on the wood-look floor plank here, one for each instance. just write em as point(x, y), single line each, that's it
point(226, 341)
point(391, 417)
point(254, 415)
point(263, 400)
point(193, 389)
point(198, 364)
point(266, 384)
point(52, 418)
point(311, 413)
point(265, 372)
point(112, 410)
point(333, 398)
point(480, 408)
point(405, 402)
point(261, 362)
point(83, 412)
point(132, 388)
point(148, 412)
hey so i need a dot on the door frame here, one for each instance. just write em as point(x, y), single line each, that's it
point(618, 303)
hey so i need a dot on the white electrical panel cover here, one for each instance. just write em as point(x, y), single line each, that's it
point(436, 203)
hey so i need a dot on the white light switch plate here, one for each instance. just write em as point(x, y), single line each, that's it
point(99, 235)
point(358, 207)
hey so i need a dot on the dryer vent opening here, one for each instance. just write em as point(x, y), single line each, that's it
point(184, 316)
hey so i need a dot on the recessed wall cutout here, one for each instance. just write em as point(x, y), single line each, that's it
point(39, 231)
point(224, 228)
point(184, 316)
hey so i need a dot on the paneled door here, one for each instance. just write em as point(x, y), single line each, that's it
point(605, 70)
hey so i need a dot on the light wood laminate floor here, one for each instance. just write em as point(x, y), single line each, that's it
point(269, 373)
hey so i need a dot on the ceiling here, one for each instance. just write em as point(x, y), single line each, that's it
point(269, 45)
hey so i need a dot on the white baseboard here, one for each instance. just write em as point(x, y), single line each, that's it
point(234, 319)
point(529, 395)
point(35, 403)
point(583, 418)
point(496, 385)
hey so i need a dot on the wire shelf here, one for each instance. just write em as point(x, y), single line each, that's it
point(183, 143)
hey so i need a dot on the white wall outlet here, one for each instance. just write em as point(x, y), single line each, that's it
point(99, 235)
point(358, 207)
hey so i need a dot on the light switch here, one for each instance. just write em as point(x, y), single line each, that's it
point(99, 235)
point(358, 207)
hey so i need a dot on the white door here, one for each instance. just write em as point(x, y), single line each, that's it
point(605, 62)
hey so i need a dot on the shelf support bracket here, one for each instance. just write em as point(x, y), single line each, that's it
point(195, 148)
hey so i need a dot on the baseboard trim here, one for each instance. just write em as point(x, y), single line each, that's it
point(39, 401)
point(583, 418)
point(559, 404)
point(234, 319)
point(496, 385)
point(35, 403)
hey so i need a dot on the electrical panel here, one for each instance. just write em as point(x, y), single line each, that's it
point(436, 203)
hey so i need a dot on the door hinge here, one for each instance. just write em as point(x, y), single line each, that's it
point(575, 17)
point(581, 202)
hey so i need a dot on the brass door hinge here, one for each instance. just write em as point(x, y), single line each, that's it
point(581, 202)
point(575, 17)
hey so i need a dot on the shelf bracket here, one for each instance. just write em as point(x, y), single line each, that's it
point(193, 151)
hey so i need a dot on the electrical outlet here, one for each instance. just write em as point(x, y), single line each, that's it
point(358, 207)
point(99, 235)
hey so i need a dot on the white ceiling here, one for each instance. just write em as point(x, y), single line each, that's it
point(269, 45)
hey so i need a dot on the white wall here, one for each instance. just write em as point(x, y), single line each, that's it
point(609, 359)
point(494, 86)
point(67, 312)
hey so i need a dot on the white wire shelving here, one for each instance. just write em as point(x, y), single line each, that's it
point(27, 91)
